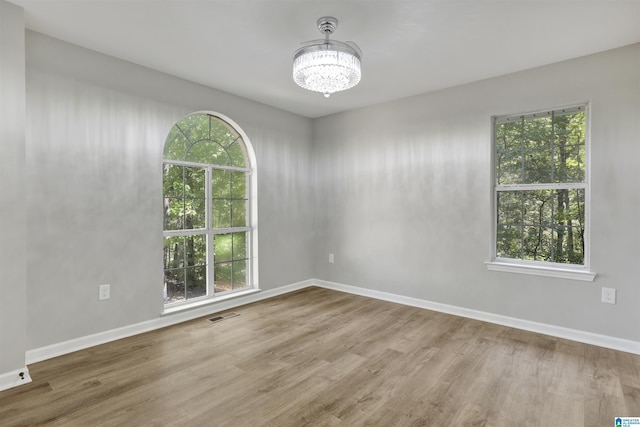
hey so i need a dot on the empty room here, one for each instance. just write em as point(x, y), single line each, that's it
point(304, 212)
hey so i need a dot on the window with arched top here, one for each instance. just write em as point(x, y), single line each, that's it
point(209, 229)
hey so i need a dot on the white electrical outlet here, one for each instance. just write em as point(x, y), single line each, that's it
point(104, 292)
point(331, 258)
point(609, 295)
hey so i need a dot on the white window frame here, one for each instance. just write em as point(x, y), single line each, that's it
point(209, 231)
point(542, 268)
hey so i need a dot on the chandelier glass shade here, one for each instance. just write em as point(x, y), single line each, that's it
point(327, 66)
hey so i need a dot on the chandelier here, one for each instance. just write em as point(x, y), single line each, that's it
point(325, 65)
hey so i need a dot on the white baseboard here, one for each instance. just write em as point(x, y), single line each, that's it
point(167, 319)
point(14, 378)
point(614, 343)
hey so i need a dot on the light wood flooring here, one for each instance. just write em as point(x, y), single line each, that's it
point(319, 357)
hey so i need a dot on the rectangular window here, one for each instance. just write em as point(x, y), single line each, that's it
point(206, 232)
point(541, 188)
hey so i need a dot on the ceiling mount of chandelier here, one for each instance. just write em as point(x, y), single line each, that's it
point(325, 65)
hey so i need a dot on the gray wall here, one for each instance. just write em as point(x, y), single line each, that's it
point(95, 133)
point(403, 195)
point(12, 185)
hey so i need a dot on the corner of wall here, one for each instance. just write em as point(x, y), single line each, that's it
point(12, 197)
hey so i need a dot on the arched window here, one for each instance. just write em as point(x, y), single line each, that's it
point(209, 217)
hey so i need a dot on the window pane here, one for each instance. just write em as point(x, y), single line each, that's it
point(176, 145)
point(554, 149)
point(173, 190)
point(222, 248)
point(570, 163)
point(509, 167)
point(239, 274)
point(509, 207)
point(537, 166)
point(172, 181)
point(221, 215)
point(195, 127)
point(184, 191)
point(220, 184)
point(570, 136)
point(174, 285)
point(195, 210)
point(190, 282)
point(239, 246)
point(207, 151)
point(196, 282)
point(238, 185)
point(173, 252)
point(239, 213)
point(194, 183)
point(237, 154)
point(538, 207)
point(509, 241)
point(554, 222)
point(182, 214)
point(222, 274)
point(173, 217)
point(194, 193)
point(569, 227)
point(536, 132)
point(509, 135)
point(222, 132)
point(196, 250)
point(537, 243)
point(569, 245)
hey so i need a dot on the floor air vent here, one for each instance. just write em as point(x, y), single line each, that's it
point(224, 316)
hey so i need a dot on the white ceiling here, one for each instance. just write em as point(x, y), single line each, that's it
point(409, 47)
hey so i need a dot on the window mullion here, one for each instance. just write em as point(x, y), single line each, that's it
point(207, 195)
point(553, 146)
point(553, 193)
point(184, 198)
point(522, 149)
point(185, 267)
point(554, 200)
point(231, 219)
point(249, 239)
point(522, 210)
point(550, 186)
point(209, 227)
point(191, 232)
point(230, 230)
point(206, 165)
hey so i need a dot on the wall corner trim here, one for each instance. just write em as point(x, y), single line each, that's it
point(14, 378)
point(606, 341)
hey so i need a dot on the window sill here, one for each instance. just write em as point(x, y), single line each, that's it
point(208, 301)
point(535, 270)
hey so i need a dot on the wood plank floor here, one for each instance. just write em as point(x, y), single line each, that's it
point(319, 357)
